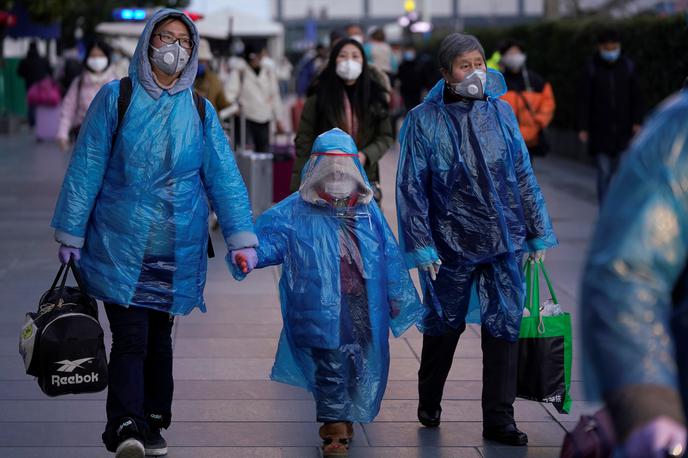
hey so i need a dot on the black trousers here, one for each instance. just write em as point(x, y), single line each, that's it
point(140, 384)
point(259, 133)
point(500, 368)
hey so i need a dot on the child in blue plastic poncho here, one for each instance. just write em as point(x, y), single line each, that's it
point(343, 285)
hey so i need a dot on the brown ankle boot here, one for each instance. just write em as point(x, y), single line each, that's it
point(335, 438)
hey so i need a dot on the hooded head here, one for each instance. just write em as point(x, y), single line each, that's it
point(334, 173)
point(140, 67)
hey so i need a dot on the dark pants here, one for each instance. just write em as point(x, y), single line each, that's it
point(337, 371)
point(140, 384)
point(259, 134)
point(500, 368)
point(606, 168)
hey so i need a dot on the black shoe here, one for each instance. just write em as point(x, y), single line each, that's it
point(155, 444)
point(429, 418)
point(506, 434)
point(129, 440)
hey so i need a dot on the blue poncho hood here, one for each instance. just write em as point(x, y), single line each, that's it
point(140, 66)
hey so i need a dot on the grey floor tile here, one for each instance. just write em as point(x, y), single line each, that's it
point(55, 452)
point(455, 434)
point(520, 452)
point(225, 347)
point(245, 434)
point(415, 452)
point(462, 411)
point(213, 330)
point(222, 368)
point(57, 410)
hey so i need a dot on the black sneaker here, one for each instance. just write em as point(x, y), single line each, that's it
point(130, 443)
point(155, 443)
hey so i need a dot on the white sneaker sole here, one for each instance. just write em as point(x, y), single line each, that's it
point(156, 451)
point(130, 448)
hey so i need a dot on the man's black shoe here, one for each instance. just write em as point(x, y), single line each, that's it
point(129, 440)
point(506, 434)
point(155, 444)
point(430, 419)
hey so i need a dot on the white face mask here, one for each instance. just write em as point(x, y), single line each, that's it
point(340, 189)
point(358, 38)
point(349, 70)
point(514, 62)
point(97, 64)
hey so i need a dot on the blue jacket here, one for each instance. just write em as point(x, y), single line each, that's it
point(137, 203)
point(466, 192)
point(634, 302)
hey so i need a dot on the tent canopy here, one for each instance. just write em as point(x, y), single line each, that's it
point(214, 26)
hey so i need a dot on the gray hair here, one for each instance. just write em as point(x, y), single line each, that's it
point(455, 45)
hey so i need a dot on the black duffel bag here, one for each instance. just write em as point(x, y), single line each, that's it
point(62, 343)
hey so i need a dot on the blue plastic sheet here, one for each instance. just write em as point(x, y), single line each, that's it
point(467, 195)
point(633, 298)
point(343, 285)
point(139, 206)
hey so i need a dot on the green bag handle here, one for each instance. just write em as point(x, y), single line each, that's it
point(549, 282)
point(532, 272)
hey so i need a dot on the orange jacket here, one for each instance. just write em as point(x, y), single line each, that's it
point(540, 100)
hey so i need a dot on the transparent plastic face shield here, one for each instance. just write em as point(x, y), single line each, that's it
point(334, 179)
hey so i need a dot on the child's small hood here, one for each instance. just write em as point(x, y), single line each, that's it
point(140, 66)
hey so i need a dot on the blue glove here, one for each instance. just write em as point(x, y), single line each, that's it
point(65, 253)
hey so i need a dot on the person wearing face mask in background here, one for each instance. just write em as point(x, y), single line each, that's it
point(610, 106)
point(82, 90)
point(469, 207)
point(529, 95)
point(133, 213)
point(207, 82)
point(253, 85)
point(339, 301)
point(345, 96)
point(410, 81)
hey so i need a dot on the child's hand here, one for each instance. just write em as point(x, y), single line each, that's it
point(245, 259)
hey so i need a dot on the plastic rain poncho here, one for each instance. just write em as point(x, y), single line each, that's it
point(467, 195)
point(343, 285)
point(137, 203)
point(633, 300)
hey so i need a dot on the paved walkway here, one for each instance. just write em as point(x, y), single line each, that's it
point(225, 405)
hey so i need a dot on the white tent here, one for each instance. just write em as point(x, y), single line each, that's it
point(215, 26)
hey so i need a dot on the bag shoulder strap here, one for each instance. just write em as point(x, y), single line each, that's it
point(199, 101)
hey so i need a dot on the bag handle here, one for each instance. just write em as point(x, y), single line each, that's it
point(62, 274)
point(549, 282)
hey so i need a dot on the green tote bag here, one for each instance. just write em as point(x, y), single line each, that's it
point(545, 347)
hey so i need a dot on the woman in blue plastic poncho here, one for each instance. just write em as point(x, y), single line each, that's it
point(634, 297)
point(133, 210)
point(343, 285)
point(468, 201)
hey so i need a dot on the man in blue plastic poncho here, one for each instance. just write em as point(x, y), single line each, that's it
point(133, 209)
point(343, 286)
point(468, 200)
point(634, 298)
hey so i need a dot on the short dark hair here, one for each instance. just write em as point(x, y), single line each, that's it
point(510, 43)
point(608, 36)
